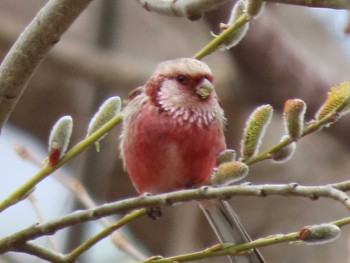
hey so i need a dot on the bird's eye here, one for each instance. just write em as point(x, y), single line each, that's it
point(182, 79)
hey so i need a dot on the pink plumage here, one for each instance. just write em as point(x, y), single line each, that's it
point(173, 129)
point(172, 134)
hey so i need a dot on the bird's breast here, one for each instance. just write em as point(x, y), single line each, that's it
point(163, 152)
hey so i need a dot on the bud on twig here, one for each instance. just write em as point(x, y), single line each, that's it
point(319, 234)
point(254, 7)
point(229, 172)
point(338, 101)
point(255, 130)
point(293, 116)
point(106, 112)
point(285, 153)
point(59, 138)
point(238, 9)
point(225, 156)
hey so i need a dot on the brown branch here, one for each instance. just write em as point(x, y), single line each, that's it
point(31, 48)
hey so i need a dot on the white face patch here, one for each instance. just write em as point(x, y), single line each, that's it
point(186, 107)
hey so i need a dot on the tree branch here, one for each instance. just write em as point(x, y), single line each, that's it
point(236, 249)
point(78, 190)
point(73, 255)
point(31, 48)
point(22, 190)
point(216, 42)
point(335, 4)
point(40, 252)
point(334, 191)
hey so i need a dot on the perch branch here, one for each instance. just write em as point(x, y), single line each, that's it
point(334, 191)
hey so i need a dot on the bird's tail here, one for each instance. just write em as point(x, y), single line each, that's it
point(228, 228)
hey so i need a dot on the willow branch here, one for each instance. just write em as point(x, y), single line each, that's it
point(227, 249)
point(334, 4)
point(78, 190)
point(40, 252)
point(311, 127)
point(31, 48)
point(217, 41)
point(334, 191)
point(22, 190)
point(33, 201)
point(233, 249)
point(72, 256)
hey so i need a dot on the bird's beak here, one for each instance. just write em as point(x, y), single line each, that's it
point(204, 88)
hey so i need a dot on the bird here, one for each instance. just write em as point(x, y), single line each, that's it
point(172, 133)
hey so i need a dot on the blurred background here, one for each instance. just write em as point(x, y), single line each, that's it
point(289, 52)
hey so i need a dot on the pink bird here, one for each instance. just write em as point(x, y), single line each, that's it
point(172, 133)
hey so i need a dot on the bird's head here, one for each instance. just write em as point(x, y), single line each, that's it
point(183, 82)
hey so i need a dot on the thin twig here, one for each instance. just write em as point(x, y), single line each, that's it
point(33, 201)
point(233, 249)
point(40, 252)
point(217, 41)
point(21, 191)
point(311, 127)
point(214, 251)
point(76, 188)
point(73, 255)
point(226, 249)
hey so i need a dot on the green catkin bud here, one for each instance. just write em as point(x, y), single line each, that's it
point(338, 101)
point(229, 172)
point(225, 156)
point(255, 7)
point(285, 153)
point(293, 117)
point(232, 40)
point(106, 112)
point(319, 234)
point(255, 130)
point(59, 138)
